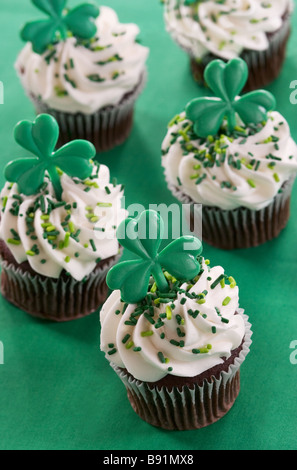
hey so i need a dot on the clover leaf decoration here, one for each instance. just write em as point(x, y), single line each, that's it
point(40, 138)
point(143, 237)
point(78, 22)
point(227, 80)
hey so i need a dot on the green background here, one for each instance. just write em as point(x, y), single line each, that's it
point(57, 390)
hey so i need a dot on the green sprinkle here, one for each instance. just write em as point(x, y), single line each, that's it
point(149, 318)
point(50, 228)
point(104, 204)
point(196, 351)
point(154, 288)
point(204, 350)
point(251, 183)
point(92, 243)
point(174, 120)
point(112, 351)
point(12, 241)
point(15, 234)
point(217, 281)
point(226, 301)
point(125, 339)
point(232, 282)
point(168, 313)
point(66, 239)
point(146, 333)
point(213, 329)
point(68, 79)
point(67, 259)
point(161, 357)
point(71, 227)
point(129, 345)
point(30, 253)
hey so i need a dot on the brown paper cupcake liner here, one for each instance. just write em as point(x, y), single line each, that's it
point(240, 228)
point(106, 129)
point(188, 407)
point(264, 66)
point(58, 300)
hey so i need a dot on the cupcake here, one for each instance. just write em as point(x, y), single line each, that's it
point(234, 156)
point(59, 213)
point(173, 331)
point(86, 69)
point(256, 31)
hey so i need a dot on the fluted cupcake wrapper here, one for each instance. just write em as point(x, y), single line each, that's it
point(106, 128)
point(264, 66)
point(187, 408)
point(239, 228)
point(58, 300)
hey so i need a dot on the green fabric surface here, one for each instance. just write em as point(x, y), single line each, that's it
point(57, 390)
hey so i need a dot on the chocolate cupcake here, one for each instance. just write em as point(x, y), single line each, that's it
point(234, 156)
point(177, 341)
point(255, 31)
point(87, 72)
point(59, 213)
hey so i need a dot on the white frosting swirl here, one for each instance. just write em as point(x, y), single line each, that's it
point(224, 28)
point(73, 237)
point(85, 79)
point(186, 344)
point(250, 175)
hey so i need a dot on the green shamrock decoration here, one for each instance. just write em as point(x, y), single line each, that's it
point(40, 138)
point(78, 22)
point(143, 237)
point(227, 81)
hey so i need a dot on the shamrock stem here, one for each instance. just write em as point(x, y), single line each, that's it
point(64, 32)
point(231, 118)
point(55, 179)
point(160, 279)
